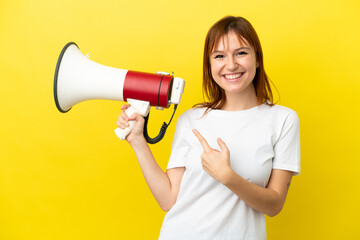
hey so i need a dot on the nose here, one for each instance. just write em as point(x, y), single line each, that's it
point(231, 63)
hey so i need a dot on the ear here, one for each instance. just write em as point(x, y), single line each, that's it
point(257, 64)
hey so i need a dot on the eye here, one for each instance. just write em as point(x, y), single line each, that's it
point(241, 53)
point(218, 56)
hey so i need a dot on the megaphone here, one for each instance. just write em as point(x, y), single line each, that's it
point(78, 79)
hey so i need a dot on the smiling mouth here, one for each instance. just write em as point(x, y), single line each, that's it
point(232, 76)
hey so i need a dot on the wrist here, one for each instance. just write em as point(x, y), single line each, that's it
point(229, 177)
point(138, 142)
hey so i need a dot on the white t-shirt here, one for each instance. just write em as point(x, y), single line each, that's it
point(260, 139)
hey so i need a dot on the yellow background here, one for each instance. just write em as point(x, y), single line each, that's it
point(67, 176)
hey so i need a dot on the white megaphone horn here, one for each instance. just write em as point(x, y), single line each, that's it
point(78, 79)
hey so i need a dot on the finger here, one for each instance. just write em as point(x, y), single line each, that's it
point(124, 116)
point(125, 106)
point(135, 116)
point(222, 145)
point(202, 140)
point(123, 122)
point(120, 125)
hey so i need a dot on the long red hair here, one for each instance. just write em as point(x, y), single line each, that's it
point(244, 30)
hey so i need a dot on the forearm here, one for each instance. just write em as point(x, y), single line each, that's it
point(157, 180)
point(259, 198)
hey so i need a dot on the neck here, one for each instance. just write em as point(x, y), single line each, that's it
point(241, 101)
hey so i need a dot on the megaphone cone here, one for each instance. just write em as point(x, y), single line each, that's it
point(77, 79)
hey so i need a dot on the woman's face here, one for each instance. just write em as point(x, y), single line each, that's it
point(233, 65)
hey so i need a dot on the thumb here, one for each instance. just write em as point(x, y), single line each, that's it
point(222, 145)
point(135, 116)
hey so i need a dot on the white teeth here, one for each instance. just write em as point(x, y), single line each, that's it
point(232, 76)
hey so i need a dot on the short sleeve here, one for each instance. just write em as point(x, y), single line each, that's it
point(287, 147)
point(180, 147)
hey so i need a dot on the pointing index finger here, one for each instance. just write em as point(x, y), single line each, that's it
point(202, 140)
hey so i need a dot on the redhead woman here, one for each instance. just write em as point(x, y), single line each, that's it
point(233, 157)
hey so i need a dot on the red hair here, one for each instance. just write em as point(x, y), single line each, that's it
point(244, 30)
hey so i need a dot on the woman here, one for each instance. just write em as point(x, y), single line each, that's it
point(233, 157)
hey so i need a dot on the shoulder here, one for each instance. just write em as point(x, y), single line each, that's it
point(282, 112)
point(188, 117)
point(192, 113)
point(284, 117)
point(281, 109)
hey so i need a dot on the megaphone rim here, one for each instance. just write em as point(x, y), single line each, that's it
point(56, 76)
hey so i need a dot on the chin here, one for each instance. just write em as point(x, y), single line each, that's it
point(238, 89)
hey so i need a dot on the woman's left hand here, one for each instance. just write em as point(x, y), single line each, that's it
point(215, 163)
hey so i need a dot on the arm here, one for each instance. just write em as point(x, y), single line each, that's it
point(269, 200)
point(164, 186)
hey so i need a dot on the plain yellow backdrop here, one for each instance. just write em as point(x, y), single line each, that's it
point(67, 176)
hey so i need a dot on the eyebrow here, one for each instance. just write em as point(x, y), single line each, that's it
point(217, 51)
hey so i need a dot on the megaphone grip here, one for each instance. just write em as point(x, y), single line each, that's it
point(122, 133)
point(136, 106)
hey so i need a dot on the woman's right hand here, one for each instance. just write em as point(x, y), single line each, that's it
point(136, 133)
